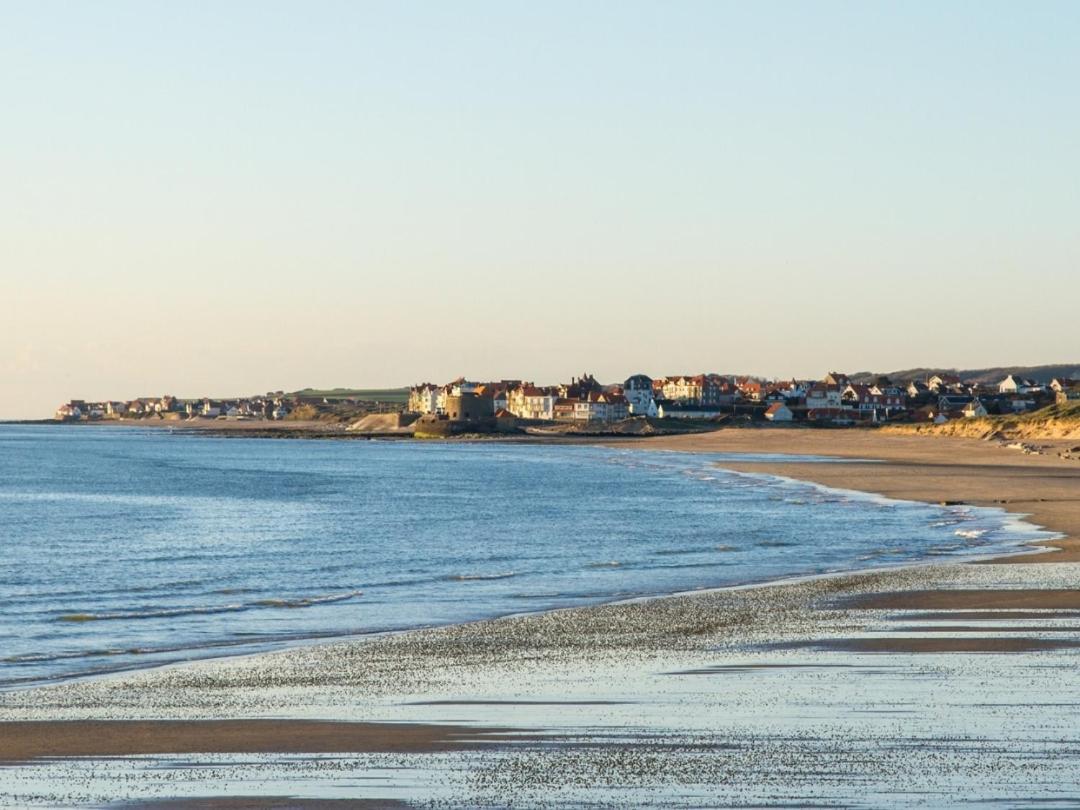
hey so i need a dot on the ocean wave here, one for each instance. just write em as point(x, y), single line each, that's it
point(200, 610)
point(970, 534)
point(701, 565)
point(944, 550)
point(37, 658)
point(671, 552)
point(471, 577)
point(307, 601)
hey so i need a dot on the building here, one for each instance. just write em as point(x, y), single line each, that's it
point(944, 382)
point(423, 398)
point(683, 389)
point(496, 392)
point(974, 409)
point(917, 390)
point(824, 397)
point(779, 412)
point(601, 407)
point(564, 409)
point(638, 391)
point(667, 409)
point(580, 387)
point(68, 411)
point(468, 406)
point(836, 416)
point(1067, 395)
point(1017, 385)
point(872, 401)
point(529, 402)
point(953, 405)
point(751, 390)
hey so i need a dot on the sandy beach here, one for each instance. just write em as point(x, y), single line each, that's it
point(880, 688)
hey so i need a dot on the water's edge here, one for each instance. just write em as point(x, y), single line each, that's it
point(1014, 520)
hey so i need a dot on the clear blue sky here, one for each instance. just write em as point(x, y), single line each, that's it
point(215, 198)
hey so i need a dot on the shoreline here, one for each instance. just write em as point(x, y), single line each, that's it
point(826, 475)
point(1020, 548)
point(1043, 489)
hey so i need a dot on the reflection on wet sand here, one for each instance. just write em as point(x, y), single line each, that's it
point(808, 693)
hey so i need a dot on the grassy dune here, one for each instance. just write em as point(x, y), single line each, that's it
point(1054, 422)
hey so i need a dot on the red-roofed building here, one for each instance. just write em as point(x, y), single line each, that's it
point(779, 412)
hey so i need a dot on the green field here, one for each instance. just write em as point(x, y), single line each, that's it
point(372, 394)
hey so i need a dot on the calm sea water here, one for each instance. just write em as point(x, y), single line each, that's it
point(127, 548)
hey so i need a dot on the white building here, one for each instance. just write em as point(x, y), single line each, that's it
point(779, 412)
point(638, 391)
point(975, 409)
point(68, 411)
point(1017, 385)
point(601, 407)
point(530, 402)
point(678, 410)
point(822, 397)
point(423, 398)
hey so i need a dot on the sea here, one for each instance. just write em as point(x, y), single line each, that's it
point(123, 548)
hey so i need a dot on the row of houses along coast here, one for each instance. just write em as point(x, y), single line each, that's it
point(834, 399)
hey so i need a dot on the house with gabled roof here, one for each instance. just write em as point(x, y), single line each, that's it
point(974, 409)
point(779, 412)
point(527, 401)
point(939, 382)
point(1013, 384)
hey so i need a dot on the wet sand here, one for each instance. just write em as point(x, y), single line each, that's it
point(960, 599)
point(815, 692)
point(265, 803)
point(27, 740)
point(922, 644)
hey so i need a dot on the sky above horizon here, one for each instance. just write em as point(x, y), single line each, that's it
point(230, 198)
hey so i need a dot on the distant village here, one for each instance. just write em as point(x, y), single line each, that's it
point(834, 400)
